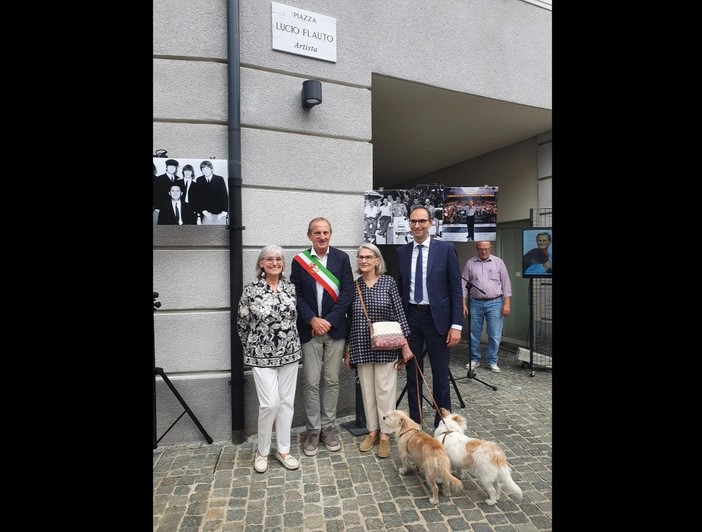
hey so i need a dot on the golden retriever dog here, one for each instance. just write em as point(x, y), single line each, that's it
point(427, 454)
point(481, 458)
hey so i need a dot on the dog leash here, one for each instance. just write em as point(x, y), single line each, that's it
point(443, 440)
point(421, 417)
point(418, 372)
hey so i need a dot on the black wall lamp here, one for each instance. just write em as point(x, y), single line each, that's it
point(311, 93)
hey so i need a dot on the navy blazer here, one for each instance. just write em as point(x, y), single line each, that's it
point(339, 264)
point(444, 287)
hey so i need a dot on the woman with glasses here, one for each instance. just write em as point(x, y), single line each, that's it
point(267, 326)
point(377, 370)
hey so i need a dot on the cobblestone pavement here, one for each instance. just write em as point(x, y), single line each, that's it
point(213, 487)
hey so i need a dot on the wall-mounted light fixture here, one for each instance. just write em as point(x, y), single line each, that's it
point(311, 93)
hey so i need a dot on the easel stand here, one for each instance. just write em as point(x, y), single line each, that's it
point(471, 371)
point(530, 353)
point(471, 374)
point(159, 371)
point(531, 327)
point(453, 383)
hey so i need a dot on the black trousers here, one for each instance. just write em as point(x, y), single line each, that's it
point(423, 334)
point(471, 227)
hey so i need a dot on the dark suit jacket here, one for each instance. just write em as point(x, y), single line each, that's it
point(181, 183)
point(166, 215)
point(444, 286)
point(339, 264)
point(210, 196)
point(162, 187)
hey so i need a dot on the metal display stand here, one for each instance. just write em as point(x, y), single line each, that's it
point(471, 371)
point(159, 371)
point(453, 383)
point(540, 309)
point(539, 351)
point(357, 427)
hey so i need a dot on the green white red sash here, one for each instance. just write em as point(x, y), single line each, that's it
point(316, 269)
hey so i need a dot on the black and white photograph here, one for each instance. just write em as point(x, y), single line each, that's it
point(385, 216)
point(190, 191)
point(386, 213)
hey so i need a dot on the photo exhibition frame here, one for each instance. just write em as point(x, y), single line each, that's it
point(386, 213)
point(537, 255)
point(203, 195)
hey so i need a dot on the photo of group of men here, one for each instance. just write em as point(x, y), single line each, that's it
point(459, 214)
point(190, 192)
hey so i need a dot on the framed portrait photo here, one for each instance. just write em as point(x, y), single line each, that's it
point(537, 252)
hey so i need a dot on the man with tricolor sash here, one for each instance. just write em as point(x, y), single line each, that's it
point(323, 281)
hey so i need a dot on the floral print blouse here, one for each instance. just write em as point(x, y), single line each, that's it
point(266, 322)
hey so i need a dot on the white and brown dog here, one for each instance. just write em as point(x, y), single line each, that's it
point(428, 455)
point(481, 458)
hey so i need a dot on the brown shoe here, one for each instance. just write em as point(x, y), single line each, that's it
point(384, 449)
point(368, 443)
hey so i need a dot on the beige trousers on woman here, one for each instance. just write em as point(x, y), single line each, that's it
point(379, 388)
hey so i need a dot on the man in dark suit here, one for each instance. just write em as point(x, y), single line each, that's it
point(323, 281)
point(176, 211)
point(210, 197)
point(162, 184)
point(186, 184)
point(434, 308)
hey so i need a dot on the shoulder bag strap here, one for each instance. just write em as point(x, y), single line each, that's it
point(363, 306)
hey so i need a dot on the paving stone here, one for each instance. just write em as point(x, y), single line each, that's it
point(212, 487)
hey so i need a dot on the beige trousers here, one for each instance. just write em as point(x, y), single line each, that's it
point(379, 389)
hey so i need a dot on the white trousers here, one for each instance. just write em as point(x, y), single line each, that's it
point(275, 388)
point(379, 389)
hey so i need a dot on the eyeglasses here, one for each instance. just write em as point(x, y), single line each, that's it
point(361, 258)
point(271, 260)
point(485, 250)
point(420, 222)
